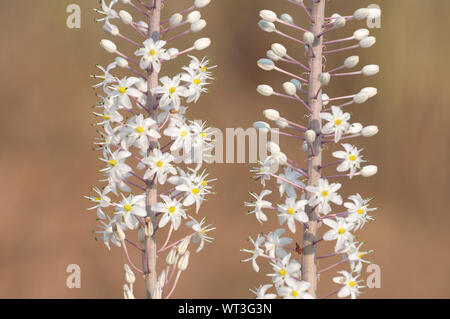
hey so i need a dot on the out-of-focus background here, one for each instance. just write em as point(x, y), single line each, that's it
point(47, 163)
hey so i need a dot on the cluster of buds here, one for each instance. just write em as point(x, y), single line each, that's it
point(310, 197)
point(149, 184)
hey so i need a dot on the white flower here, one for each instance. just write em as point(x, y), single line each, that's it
point(358, 211)
point(152, 53)
point(107, 77)
point(259, 204)
point(139, 130)
point(108, 233)
point(179, 131)
point(291, 212)
point(116, 169)
point(287, 271)
point(159, 163)
point(172, 211)
point(296, 291)
point(337, 123)
point(201, 232)
point(110, 113)
point(276, 156)
point(350, 284)
point(129, 209)
point(194, 192)
point(170, 91)
point(323, 193)
point(255, 252)
point(351, 160)
point(201, 67)
point(102, 201)
point(355, 256)
point(263, 171)
point(195, 82)
point(123, 90)
point(288, 188)
point(261, 292)
point(107, 11)
point(274, 243)
point(340, 231)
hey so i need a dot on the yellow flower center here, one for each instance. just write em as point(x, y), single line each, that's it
point(338, 122)
point(352, 158)
point(195, 191)
point(98, 199)
point(112, 163)
point(159, 164)
point(204, 69)
point(203, 232)
point(324, 193)
point(152, 52)
point(204, 183)
point(106, 116)
point(282, 272)
point(172, 90)
point(197, 81)
point(183, 133)
point(361, 255)
point(122, 89)
point(341, 231)
point(127, 207)
point(294, 293)
point(291, 211)
point(360, 211)
point(203, 135)
point(140, 129)
point(171, 209)
point(352, 284)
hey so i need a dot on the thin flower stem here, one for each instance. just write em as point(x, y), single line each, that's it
point(298, 170)
point(178, 35)
point(134, 184)
point(342, 49)
point(287, 181)
point(168, 237)
point(348, 73)
point(124, 245)
point(287, 134)
point(297, 62)
point(330, 294)
point(339, 40)
point(174, 284)
point(332, 266)
point(133, 244)
point(129, 40)
point(291, 25)
point(290, 74)
point(173, 244)
point(330, 164)
point(289, 37)
point(329, 255)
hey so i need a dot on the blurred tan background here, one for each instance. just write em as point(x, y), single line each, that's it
point(47, 165)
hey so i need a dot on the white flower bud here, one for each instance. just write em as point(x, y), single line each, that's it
point(125, 1)
point(310, 136)
point(183, 246)
point(271, 55)
point(198, 26)
point(202, 44)
point(267, 26)
point(361, 14)
point(355, 128)
point(370, 70)
point(108, 45)
point(142, 85)
point(119, 233)
point(299, 1)
point(308, 37)
point(175, 19)
point(351, 61)
point(279, 49)
point(266, 64)
point(287, 18)
point(325, 78)
point(193, 16)
point(360, 34)
point(130, 278)
point(271, 114)
point(297, 83)
point(367, 42)
point(157, 292)
point(125, 16)
point(369, 170)
point(261, 126)
point(281, 123)
point(173, 52)
point(264, 90)
point(111, 29)
point(127, 294)
point(369, 131)
point(142, 26)
point(201, 3)
point(360, 98)
point(289, 88)
point(325, 99)
point(268, 15)
point(340, 22)
point(184, 261)
point(171, 256)
point(162, 278)
point(305, 146)
point(121, 62)
point(370, 91)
